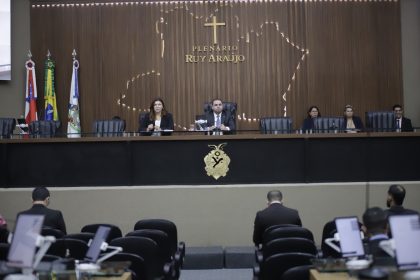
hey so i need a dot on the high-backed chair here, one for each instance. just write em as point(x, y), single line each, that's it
point(108, 128)
point(177, 250)
point(145, 248)
point(273, 227)
point(137, 265)
point(276, 125)
point(114, 233)
point(287, 232)
point(380, 121)
point(288, 245)
point(68, 248)
point(84, 236)
point(297, 273)
point(7, 125)
point(4, 251)
point(43, 129)
point(46, 231)
point(274, 266)
point(328, 124)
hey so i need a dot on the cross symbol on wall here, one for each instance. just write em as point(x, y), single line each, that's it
point(214, 24)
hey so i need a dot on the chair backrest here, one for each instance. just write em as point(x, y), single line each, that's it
point(52, 232)
point(4, 251)
point(328, 231)
point(328, 124)
point(4, 234)
point(142, 115)
point(43, 129)
point(108, 128)
point(285, 232)
point(380, 121)
point(161, 239)
point(297, 273)
point(289, 245)
point(114, 233)
point(229, 107)
point(164, 225)
point(7, 125)
point(84, 236)
point(276, 125)
point(68, 248)
point(136, 264)
point(274, 266)
point(145, 248)
point(273, 227)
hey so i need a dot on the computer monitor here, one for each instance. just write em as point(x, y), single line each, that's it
point(350, 239)
point(95, 246)
point(22, 250)
point(405, 231)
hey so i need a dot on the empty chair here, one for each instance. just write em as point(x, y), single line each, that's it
point(289, 245)
point(283, 232)
point(161, 239)
point(145, 248)
point(177, 250)
point(7, 125)
point(276, 125)
point(137, 265)
point(46, 231)
point(68, 248)
point(108, 128)
point(84, 236)
point(328, 232)
point(274, 266)
point(43, 129)
point(297, 273)
point(114, 233)
point(380, 121)
point(328, 124)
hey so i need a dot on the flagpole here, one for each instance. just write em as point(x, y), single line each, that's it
point(73, 125)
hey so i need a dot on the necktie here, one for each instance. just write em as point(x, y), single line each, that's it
point(218, 121)
point(398, 123)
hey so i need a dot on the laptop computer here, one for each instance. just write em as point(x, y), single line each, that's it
point(405, 231)
point(351, 244)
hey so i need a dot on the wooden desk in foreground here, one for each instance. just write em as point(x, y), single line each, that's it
point(179, 159)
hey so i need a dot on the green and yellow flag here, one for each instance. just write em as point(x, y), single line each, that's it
point(51, 112)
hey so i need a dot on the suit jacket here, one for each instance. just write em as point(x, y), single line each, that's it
point(274, 214)
point(166, 122)
point(52, 218)
point(226, 120)
point(372, 247)
point(400, 210)
point(405, 125)
point(358, 124)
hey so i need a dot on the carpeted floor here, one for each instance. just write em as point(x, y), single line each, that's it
point(217, 274)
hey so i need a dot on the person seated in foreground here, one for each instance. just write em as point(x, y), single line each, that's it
point(275, 214)
point(375, 221)
point(40, 201)
point(394, 201)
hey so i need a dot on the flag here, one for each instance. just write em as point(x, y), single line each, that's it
point(51, 112)
point(73, 126)
point(31, 93)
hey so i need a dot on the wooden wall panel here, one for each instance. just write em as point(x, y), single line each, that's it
point(354, 57)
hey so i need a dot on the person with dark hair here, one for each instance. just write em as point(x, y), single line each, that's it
point(275, 214)
point(394, 201)
point(219, 119)
point(375, 221)
point(308, 123)
point(351, 122)
point(401, 123)
point(157, 120)
point(52, 218)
